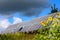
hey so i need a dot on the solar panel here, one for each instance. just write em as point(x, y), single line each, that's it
point(27, 26)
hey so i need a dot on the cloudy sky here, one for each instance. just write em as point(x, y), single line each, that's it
point(16, 11)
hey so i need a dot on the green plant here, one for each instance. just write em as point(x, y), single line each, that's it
point(8, 36)
point(49, 31)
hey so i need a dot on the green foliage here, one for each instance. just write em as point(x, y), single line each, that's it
point(50, 31)
point(10, 36)
point(16, 36)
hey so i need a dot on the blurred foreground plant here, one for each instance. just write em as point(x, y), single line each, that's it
point(8, 36)
point(51, 30)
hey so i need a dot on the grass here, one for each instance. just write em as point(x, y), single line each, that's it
point(17, 36)
point(27, 37)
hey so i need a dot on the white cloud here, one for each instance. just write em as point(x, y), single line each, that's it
point(4, 23)
point(17, 20)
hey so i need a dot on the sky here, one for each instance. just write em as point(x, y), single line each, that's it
point(15, 11)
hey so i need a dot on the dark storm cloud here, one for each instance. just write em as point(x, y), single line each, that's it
point(27, 7)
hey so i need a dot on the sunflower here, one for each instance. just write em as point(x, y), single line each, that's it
point(49, 18)
point(43, 23)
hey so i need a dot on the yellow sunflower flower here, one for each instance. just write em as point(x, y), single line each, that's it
point(43, 23)
point(49, 18)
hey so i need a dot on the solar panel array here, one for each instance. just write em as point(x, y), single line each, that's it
point(27, 26)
